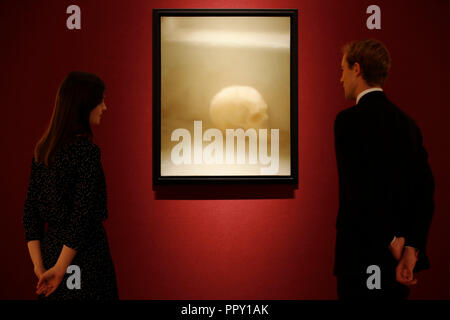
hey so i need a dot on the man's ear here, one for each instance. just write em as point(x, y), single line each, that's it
point(357, 69)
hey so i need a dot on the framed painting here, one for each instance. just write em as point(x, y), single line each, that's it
point(225, 95)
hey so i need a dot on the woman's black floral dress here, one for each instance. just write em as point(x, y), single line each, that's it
point(70, 197)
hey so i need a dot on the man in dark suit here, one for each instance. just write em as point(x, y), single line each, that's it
point(386, 186)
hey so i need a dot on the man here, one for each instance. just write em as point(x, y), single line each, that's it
point(386, 186)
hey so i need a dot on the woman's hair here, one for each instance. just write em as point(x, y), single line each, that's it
point(78, 94)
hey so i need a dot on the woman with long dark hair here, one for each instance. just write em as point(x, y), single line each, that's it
point(67, 192)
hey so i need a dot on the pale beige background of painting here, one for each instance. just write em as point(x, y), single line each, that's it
point(202, 55)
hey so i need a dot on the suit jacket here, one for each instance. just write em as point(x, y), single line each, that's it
point(386, 186)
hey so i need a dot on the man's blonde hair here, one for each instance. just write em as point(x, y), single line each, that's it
point(373, 58)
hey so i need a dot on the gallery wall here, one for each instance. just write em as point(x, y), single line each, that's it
point(220, 242)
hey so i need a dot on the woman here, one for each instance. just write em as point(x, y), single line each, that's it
point(67, 191)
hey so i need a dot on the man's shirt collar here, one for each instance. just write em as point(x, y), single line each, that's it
point(365, 92)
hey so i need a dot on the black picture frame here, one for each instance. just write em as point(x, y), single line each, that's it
point(158, 178)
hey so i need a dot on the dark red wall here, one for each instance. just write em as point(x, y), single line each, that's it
point(214, 243)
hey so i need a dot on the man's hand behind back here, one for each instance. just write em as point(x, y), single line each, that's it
point(396, 247)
